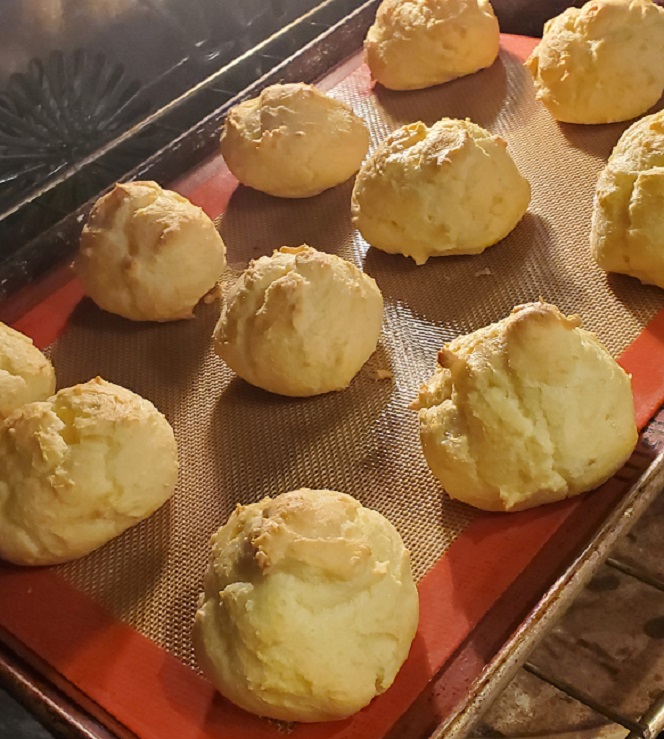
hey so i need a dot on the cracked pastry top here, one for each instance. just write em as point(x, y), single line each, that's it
point(149, 254)
point(299, 322)
point(293, 141)
point(78, 469)
point(451, 188)
point(528, 410)
point(309, 608)
point(415, 44)
point(601, 63)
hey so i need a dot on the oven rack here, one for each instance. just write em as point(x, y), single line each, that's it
point(634, 557)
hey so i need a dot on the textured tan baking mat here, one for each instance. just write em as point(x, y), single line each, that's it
point(238, 444)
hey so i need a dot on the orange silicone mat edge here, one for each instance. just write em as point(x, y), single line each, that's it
point(155, 695)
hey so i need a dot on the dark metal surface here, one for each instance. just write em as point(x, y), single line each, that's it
point(77, 122)
point(600, 669)
point(16, 722)
point(55, 114)
point(585, 698)
point(58, 111)
point(35, 688)
point(553, 604)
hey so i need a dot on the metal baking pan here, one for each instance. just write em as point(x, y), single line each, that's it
point(535, 259)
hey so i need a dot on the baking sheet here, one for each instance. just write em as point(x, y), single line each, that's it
point(238, 444)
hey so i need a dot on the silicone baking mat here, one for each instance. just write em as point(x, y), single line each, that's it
point(118, 621)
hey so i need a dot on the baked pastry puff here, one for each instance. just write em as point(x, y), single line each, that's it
point(309, 608)
point(299, 322)
point(293, 141)
point(451, 188)
point(78, 469)
point(601, 63)
point(529, 410)
point(148, 254)
point(627, 232)
point(415, 44)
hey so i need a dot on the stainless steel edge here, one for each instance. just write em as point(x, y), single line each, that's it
point(315, 58)
point(187, 95)
point(652, 721)
point(553, 604)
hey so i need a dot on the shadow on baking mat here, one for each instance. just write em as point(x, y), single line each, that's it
point(471, 290)
point(599, 140)
point(255, 224)
point(462, 98)
point(146, 357)
point(136, 562)
point(625, 287)
point(310, 442)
